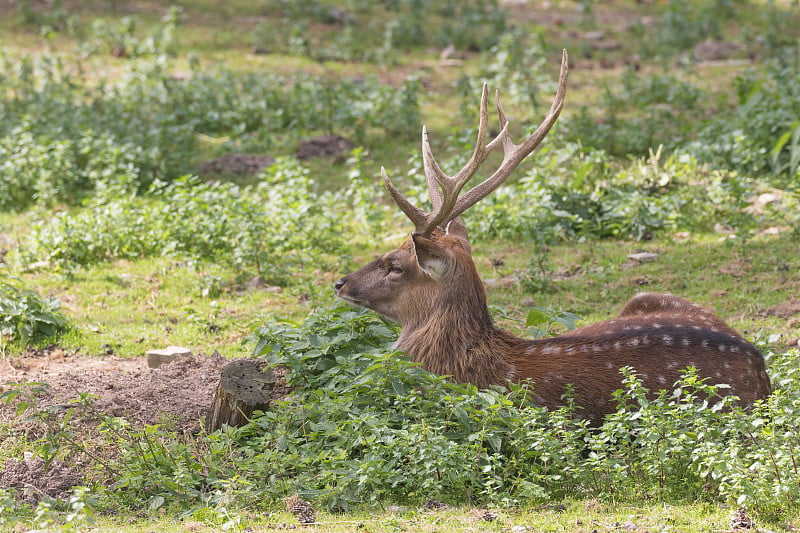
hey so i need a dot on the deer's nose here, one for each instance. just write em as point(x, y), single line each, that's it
point(338, 285)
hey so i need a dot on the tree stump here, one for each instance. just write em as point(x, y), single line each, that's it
point(244, 387)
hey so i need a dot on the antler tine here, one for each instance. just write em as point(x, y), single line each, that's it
point(414, 213)
point(514, 154)
point(444, 189)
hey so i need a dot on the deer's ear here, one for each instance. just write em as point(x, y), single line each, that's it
point(456, 228)
point(431, 258)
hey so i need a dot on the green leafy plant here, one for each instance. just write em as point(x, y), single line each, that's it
point(263, 230)
point(64, 140)
point(539, 318)
point(27, 317)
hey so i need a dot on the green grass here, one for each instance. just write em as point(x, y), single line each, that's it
point(134, 306)
point(569, 516)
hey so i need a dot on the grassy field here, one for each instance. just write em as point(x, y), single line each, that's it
point(105, 105)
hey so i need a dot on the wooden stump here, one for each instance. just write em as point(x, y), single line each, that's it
point(244, 387)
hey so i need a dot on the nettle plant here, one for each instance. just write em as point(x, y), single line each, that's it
point(25, 316)
point(270, 229)
point(366, 426)
point(63, 140)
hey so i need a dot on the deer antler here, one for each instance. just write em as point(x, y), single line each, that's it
point(444, 189)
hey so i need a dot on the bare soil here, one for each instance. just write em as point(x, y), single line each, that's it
point(232, 164)
point(786, 309)
point(324, 146)
point(180, 390)
point(176, 394)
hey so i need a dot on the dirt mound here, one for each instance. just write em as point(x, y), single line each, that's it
point(177, 393)
point(323, 145)
point(786, 309)
point(180, 390)
point(33, 480)
point(231, 164)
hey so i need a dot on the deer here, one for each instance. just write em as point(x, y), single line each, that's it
point(431, 287)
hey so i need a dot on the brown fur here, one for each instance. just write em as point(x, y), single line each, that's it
point(440, 301)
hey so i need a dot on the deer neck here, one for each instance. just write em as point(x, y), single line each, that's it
point(459, 340)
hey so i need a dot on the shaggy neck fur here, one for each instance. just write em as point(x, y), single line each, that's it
point(457, 337)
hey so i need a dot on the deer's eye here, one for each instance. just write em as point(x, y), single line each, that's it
point(394, 269)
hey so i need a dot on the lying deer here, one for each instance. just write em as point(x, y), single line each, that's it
point(431, 287)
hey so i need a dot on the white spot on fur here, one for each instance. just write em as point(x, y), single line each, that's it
point(634, 341)
point(662, 380)
point(705, 343)
point(667, 340)
point(547, 350)
point(609, 364)
point(617, 345)
point(686, 341)
point(722, 347)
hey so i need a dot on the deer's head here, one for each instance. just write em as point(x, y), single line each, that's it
point(433, 270)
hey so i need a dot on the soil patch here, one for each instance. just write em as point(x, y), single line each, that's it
point(231, 164)
point(176, 394)
point(33, 480)
point(179, 391)
point(323, 146)
point(786, 309)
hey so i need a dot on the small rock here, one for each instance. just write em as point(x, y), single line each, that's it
point(518, 529)
point(593, 35)
point(643, 257)
point(38, 265)
point(156, 358)
point(630, 526)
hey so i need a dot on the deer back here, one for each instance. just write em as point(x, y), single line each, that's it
point(658, 336)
